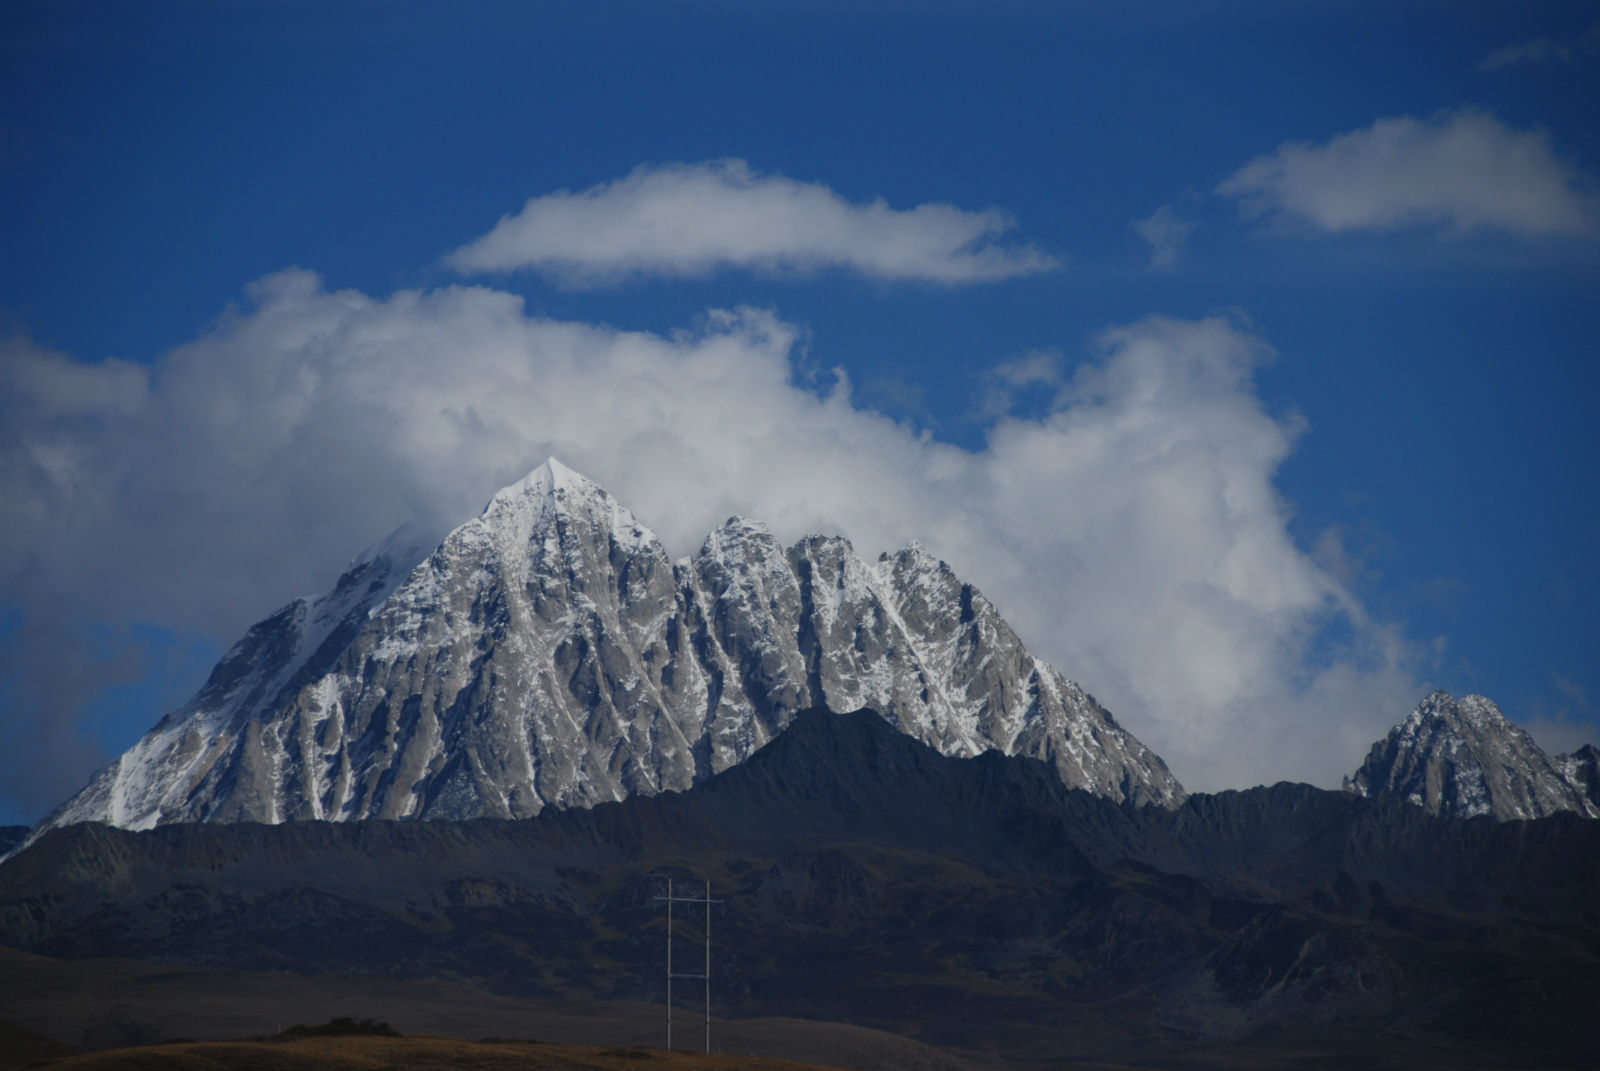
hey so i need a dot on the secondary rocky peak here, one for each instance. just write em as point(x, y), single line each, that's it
point(1464, 757)
point(739, 542)
point(914, 556)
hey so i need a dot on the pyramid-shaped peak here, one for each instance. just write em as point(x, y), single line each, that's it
point(1471, 714)
point(1464, 757)
point(1470, 719)
point(546, 481)
point(551, 491)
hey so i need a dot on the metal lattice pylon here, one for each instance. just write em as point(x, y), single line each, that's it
point(670, 899)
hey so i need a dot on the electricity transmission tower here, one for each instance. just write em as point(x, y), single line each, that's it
point(670, 900)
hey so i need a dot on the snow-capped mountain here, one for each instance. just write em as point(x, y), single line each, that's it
point(1463, 757)
point(548, 653)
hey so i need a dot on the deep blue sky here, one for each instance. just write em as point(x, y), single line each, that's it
point(155, 158)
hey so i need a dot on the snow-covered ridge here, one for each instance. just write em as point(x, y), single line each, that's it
point(293, 644)
point(548, 653)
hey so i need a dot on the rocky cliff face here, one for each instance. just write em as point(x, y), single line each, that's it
point(1461, 757)
point(548, 653)
point(1581, 770)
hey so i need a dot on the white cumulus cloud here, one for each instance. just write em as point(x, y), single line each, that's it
point(696, 219)
point(1131, 530)
point(1463, 169)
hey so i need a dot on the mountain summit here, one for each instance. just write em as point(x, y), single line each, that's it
point(548, 653)
point(1462, 757)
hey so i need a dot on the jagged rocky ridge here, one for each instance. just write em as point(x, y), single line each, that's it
point(549, 653)
point(1462, 757)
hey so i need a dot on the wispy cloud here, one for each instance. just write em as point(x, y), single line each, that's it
point(1166, 232)
point(1463, 169)
point(1544, 50)
point(1129, 527)
point(696, 219)
point(1002, 385)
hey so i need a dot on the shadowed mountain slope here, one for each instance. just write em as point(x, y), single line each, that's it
point(867, 878)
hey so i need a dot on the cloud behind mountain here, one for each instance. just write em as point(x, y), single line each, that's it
point(1131, 532)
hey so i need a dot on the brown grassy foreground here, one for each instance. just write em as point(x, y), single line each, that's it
point(97, 1006)
point(109, 1007)
point(409, 1054)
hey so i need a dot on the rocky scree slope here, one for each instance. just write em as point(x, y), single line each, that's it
point(1462, 757)
point(549, 653)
